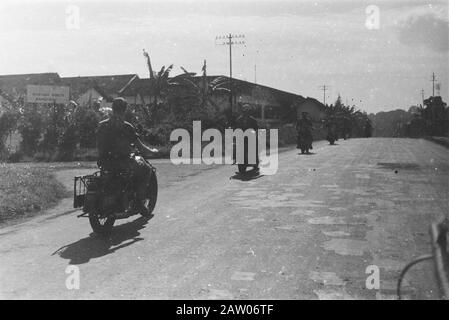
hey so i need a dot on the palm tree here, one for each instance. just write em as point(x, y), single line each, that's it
point(196, 93)
point(159, 82)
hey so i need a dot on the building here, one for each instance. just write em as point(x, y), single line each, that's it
point(87, 89)
point(14, 86)
point(140, 92)
point(315, 109)
point(269, 104)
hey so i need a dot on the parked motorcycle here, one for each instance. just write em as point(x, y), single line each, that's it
point(107, 196)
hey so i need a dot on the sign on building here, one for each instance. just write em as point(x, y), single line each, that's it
point(47, 94)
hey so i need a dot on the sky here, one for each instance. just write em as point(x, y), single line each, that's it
point(378, 55)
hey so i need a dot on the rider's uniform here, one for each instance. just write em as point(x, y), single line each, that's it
point(246, 122)
point(115, 141)
point(304, 130)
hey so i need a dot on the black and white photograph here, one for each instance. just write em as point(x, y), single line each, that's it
point(224, 155)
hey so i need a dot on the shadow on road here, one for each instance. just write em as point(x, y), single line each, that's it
point(249, 175)
point(95, 246)
point(306, 154)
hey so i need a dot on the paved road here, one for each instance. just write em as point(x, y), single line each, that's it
point(308, 232)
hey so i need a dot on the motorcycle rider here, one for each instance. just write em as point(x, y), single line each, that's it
point(116, 140)
point(331, 126)
point(246, 121)
point(368, 129)
point(304, 128)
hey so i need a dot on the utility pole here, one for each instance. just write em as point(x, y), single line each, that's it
point(255, 66)
point(433, 84)
point(230, 39)
point(422, 95)
point(255, 73)
point(324, 88)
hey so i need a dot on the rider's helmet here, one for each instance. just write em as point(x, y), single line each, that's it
point(119, 105)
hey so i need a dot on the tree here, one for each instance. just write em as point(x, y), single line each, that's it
point(86, 122)
point(8, 124)
point(350, 121)
point(31, 126)
point(195, 99)
point(55, 119)
point(435, 115)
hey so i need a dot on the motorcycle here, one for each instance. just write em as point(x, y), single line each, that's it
point(242, 166)
point(106, 196)
point(305, 141)
point(331, 137)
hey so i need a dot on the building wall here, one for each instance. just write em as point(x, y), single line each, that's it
point(313, 109)
point(88, 97)
point(139, 100)
point(263, 100)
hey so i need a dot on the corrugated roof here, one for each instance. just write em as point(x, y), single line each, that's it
point(106, 85)
point(318, 103)
point(16, 83)
point(143, 87)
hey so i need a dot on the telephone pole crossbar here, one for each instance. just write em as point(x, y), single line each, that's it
point(433, 83)
point(324, 88)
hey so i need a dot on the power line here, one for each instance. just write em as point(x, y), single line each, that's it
point(324, 88)
point(433, 83)
point(255, 73)
point(230, 40)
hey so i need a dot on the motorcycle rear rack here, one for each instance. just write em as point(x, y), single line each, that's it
point(80, 185)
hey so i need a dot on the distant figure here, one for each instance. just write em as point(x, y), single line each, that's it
point(368, 129)
point(304, 127)
point(245, 122)
point(346, 127)
point(331, 127)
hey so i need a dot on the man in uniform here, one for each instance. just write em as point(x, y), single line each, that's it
point(116, 140)
point(245, 122)
point(304, 128)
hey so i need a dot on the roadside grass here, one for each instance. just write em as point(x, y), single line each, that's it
point(25, 190)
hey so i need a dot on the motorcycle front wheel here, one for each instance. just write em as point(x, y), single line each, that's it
point(150, 202)
point(101, 225)
point(242, 168)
